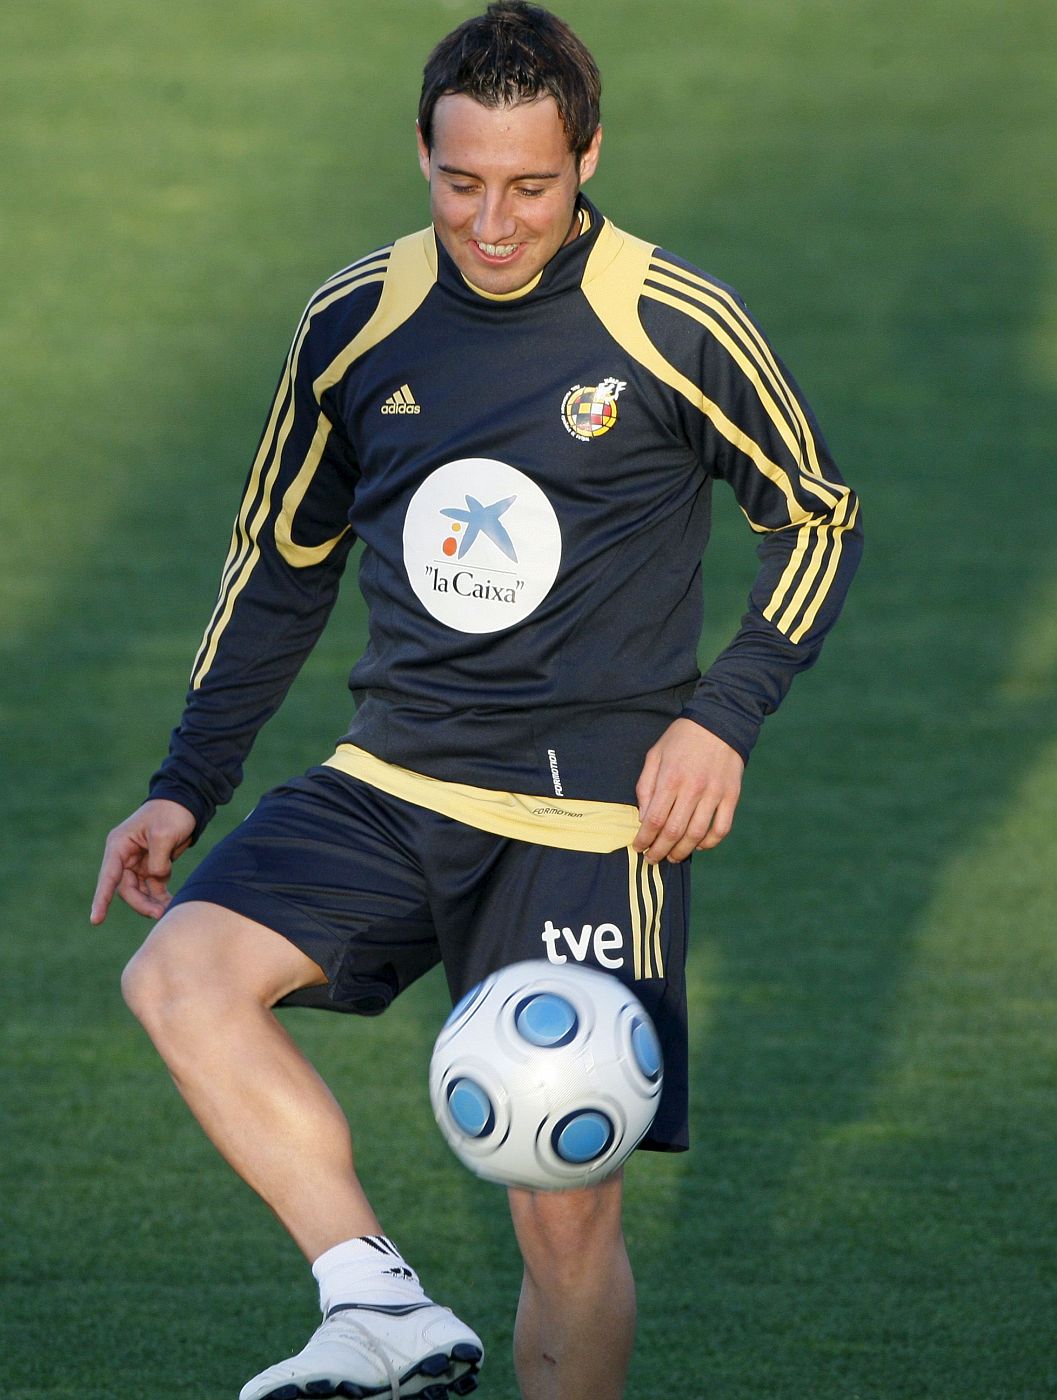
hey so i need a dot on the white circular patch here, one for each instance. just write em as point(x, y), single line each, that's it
point(482, 545)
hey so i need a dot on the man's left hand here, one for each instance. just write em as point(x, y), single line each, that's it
point(687, 792)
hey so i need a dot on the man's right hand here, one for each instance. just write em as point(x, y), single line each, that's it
point(139, 857)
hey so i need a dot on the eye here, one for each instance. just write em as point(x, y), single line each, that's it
point(531, 193)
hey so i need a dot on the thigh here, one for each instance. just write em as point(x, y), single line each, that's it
point(613, 911)
point(201, 948)
point(330, 864)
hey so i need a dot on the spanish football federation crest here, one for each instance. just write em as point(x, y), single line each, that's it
point(589, 411)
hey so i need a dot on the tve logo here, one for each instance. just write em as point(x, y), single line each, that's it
point(605, 942)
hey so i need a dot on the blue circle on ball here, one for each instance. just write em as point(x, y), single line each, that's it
point(582, 1137)
point(463, 1005)
point(647, 1048)
point(470, 1108)
point(546, 1020)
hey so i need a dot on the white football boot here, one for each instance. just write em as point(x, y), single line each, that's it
point(363, 1350)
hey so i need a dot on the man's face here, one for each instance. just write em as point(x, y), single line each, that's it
point(503, 185)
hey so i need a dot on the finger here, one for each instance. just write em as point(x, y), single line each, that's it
point(110, 874)
point(696, 829)
point(153, 883)
point(696, 832)
point(710, 821)
point(158, 863)
point(162, 850)
point(143, 895)
point(720, 826)
point(671, 834)
point(126, 871)
point(654, 817)
point(646, 786)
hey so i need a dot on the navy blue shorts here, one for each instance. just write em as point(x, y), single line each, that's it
point(377, 891)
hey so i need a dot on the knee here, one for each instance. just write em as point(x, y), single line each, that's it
point(566, 1234)
point(157, 982)
point(205, 967)
point(174, 985)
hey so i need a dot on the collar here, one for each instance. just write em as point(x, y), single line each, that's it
point(563, 272)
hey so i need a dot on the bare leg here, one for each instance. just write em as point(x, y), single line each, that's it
point(203, 984)
point(576, 1316)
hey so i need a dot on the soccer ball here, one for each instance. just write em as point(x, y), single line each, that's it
point(546, 1076)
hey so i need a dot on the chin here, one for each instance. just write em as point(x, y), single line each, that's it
point(501, 279)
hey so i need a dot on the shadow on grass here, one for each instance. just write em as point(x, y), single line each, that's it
point(866, 1206)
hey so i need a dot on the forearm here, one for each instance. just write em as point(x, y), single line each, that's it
point(272, 629)
point(797, 597)
point(746, 683)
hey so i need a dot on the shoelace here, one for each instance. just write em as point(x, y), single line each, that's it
point(372, 1346)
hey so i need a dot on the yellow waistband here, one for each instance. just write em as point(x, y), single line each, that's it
point(570, 824)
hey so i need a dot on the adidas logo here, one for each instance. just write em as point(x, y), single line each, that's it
point(403, 401)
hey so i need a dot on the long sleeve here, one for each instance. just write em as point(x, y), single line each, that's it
point(288, 549)
point(753, 429)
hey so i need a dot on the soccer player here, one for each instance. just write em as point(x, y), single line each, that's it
point(520, 412)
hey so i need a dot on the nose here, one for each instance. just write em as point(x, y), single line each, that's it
point(493, 221)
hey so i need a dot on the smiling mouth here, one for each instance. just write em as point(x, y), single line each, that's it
point(497, 250)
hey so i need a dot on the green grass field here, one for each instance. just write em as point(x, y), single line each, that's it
point(868, 1210)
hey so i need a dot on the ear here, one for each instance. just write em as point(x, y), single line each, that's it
point(423, 153)
point(589, 159)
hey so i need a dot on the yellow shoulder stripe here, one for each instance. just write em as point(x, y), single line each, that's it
point(613, 282)
point(411, 274)
point(793, 437)
point(408, 257)
point(244, 550)
point(370, 269)
point(721, 300)
point(408, 279)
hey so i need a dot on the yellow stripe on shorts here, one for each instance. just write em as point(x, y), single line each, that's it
point(645, 902)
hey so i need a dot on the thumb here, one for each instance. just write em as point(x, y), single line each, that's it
point(161, 852)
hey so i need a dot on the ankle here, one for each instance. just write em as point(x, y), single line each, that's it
point(368, 1269)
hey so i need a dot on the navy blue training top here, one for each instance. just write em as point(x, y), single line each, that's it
point(530, 475)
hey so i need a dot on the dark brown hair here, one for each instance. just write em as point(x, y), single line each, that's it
point(515, 52)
